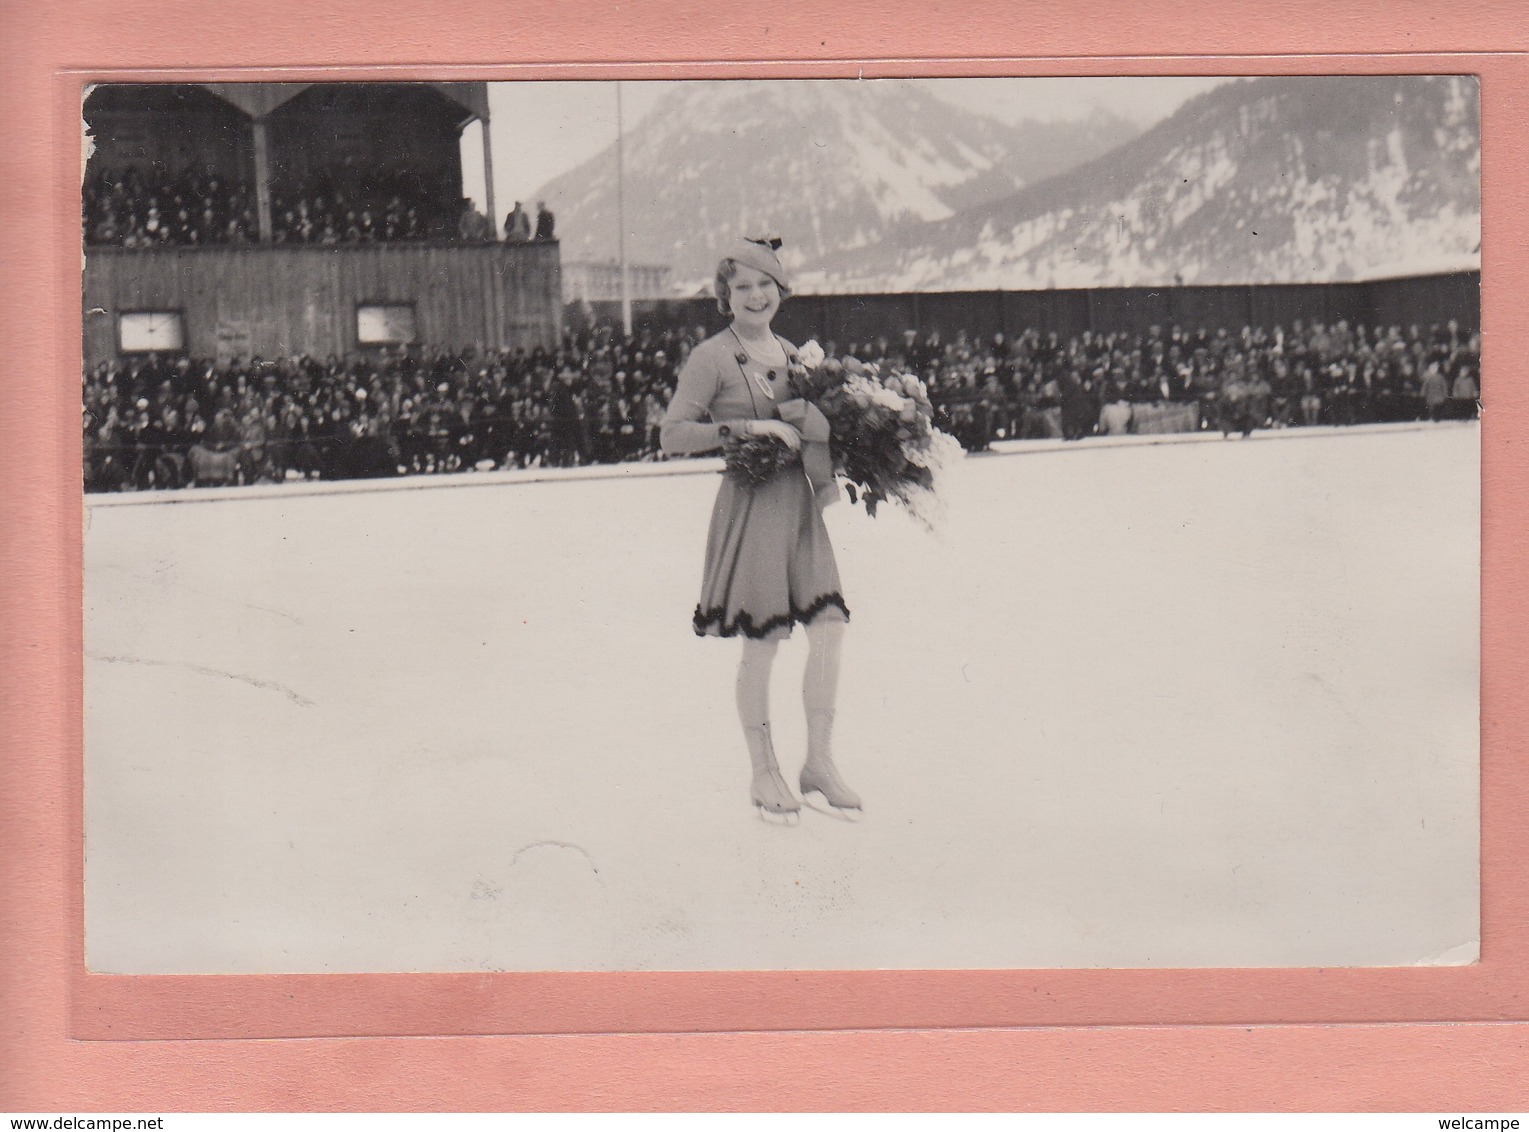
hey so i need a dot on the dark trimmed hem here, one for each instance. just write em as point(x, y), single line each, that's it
point(704, 621)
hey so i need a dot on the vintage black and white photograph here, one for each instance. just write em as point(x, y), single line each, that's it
point(781, 524)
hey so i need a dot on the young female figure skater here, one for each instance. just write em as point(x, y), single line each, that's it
point(769, 561)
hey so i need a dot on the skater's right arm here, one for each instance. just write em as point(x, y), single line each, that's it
point(688, 427)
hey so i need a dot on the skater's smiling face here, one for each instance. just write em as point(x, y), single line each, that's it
point(753, 297)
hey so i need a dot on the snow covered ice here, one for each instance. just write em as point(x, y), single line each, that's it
point(1189, 704)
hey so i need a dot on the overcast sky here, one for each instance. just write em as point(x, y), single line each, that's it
point(543, 129)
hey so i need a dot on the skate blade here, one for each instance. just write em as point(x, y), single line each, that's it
point(769, 817)
point(829, 810)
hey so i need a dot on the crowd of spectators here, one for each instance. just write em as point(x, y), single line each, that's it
point(1036, 385)
point(343, 207)
point(158, 421)
point(162, 422)
point(137, 210)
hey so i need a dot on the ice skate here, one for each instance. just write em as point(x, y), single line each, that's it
point(819, 773)
point(824, 778)
point(769, 792)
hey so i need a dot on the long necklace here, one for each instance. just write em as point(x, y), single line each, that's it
point(761, 381)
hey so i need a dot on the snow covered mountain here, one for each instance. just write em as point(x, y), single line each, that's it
point(1264, 180)
point(829, 165)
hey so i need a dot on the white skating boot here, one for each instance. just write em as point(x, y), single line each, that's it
point(819, 772)
point(769, 791)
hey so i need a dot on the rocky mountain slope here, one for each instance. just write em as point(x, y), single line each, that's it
point(831, 166)
point(1265, 180)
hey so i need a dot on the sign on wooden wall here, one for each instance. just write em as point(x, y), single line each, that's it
point(234, 339)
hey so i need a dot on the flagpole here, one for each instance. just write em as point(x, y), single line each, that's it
point(626, 292)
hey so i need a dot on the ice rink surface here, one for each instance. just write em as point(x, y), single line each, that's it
point(1199, 704)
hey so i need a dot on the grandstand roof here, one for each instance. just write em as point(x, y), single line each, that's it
point(257, 100)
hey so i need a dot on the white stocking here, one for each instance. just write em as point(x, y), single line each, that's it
point(753, 687)
point(820, 686)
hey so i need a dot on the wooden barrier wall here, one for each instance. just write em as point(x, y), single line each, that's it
point(859, 318)
point(290, 300)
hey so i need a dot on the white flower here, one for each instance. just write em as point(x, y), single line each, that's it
point(938, 453)
point(811, 354)
point(945, 451)
point(859, 383)
point(885, 397)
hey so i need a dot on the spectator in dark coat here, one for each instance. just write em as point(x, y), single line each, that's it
point(567, 422)
point(544, 222)
point(517, 225)
point(1077, 406)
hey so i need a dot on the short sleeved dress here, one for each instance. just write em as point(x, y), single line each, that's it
point(769, 561)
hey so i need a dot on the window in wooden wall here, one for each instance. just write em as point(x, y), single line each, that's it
point(145, 332)
point(385, 324)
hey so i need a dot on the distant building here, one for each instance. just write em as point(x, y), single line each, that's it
point(596, 280)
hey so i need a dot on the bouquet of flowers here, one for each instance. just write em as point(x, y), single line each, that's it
point(883, 437)
point(754, 460)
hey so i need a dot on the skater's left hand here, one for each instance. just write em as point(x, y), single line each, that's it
point(780, 430)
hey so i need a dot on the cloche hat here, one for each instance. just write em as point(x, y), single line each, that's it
point(758, 252)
